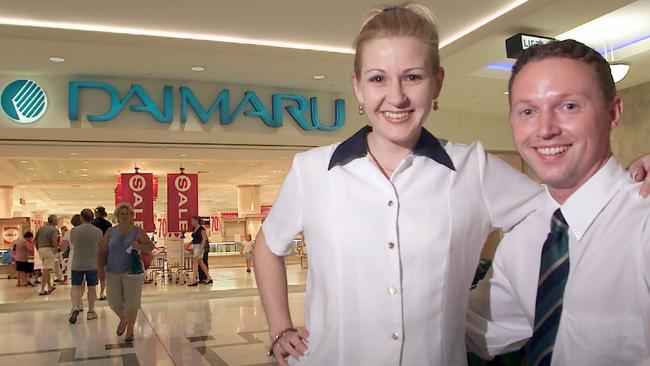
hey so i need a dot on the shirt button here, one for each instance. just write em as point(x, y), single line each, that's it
point(390, 203)
point(395, 336)
point(392, 290)
point(391, 245)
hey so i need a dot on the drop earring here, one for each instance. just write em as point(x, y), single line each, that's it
point(435, 104)
point(361, 112)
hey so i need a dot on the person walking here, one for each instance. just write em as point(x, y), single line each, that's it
point(85, 240)
point(199, 243)
point(124, 290)
point(103, 224)
point(46, 241)
point(24, 249)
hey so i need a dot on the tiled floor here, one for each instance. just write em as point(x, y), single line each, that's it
point(222, 324)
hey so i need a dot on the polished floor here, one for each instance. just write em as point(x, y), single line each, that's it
point(218, 324)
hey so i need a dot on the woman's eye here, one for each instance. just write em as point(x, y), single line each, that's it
point(376, 79)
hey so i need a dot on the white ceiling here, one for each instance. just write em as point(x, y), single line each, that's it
point(304, 25)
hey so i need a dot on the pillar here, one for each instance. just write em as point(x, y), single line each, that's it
point(7, 202)
point(248, 204)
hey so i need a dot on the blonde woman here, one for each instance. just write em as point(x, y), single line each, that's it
point(124, 291)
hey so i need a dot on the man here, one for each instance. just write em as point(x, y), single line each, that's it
point(581, 297)
point(103, 224)
point(85, 240)
point(46, 241)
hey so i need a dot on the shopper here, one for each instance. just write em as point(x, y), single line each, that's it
point(75, 220)
point(85, 240)
point(247, 251)
point(124, 291)
point(395, 218)
point(61, 259)
point(46, 241)
point(103, 224)
point(199, 243)
point(24, 248)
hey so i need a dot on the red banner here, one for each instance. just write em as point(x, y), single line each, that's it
point(137, 189)
point(182, 201)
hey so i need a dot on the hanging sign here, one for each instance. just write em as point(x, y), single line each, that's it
point(182, 201)
point(137, 189)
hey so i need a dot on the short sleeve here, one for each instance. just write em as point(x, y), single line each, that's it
point(496, 322)
point(285, 220)
point(509, 194)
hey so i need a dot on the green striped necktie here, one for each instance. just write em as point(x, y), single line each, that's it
point(553, 274)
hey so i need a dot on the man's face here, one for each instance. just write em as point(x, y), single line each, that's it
point(561, 121)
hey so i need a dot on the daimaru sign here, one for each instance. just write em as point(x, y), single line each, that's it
point(303, 111)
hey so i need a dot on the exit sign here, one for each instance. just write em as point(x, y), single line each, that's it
point(516, 44)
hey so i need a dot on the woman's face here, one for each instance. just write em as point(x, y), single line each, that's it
point(124, 216)
point(397, 86)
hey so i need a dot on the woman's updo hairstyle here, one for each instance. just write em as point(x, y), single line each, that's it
point(403, 20)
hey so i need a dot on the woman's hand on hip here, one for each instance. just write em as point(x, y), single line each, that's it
point(292, 344)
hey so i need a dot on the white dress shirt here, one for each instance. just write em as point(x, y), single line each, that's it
point(391, 261)
point(606, 304)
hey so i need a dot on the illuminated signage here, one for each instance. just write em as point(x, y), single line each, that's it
point(302, 110)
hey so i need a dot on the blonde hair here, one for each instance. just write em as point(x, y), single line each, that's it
point(404, 20)
point(126, 206)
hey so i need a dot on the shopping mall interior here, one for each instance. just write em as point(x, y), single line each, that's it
point(129, 87)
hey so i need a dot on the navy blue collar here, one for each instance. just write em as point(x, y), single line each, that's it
point(356, 147)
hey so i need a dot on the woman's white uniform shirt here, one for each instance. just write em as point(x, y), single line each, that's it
point(391, 261)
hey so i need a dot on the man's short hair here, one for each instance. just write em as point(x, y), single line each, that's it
point(573, 50)
point(87, 215)
point(51, 219)
point(28, 235)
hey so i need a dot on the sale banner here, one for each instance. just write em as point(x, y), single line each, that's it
point(137, 189)
point(182, 201)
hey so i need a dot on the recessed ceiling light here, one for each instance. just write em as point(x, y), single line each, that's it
point(23, 161)
point(506, 92)
point(74, 153)
point(83, 175)
point(183, 155)
point(319, 77)
point(198, 68)
point(57, 59)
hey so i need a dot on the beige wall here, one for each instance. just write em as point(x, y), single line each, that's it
point(632, 137)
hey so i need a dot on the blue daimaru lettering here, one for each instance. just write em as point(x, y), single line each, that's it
point(302, 111)
point(117, 104)
point(222, 102)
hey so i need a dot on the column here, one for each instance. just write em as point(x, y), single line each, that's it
point(248, 205)
point(7, 202)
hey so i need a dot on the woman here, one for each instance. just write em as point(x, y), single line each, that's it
point(199, 243)
point(24, 250)
point(124, 291)
point(395, 218)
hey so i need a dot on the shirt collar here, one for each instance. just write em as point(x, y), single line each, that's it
point(357, 147)
point(582, 207)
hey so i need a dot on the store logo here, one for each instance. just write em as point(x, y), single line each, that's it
point(23, 101)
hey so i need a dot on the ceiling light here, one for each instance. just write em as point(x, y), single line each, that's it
point(506, 92)
point(23, 161)
point(74, 153)
point(482, 22)
point(198, 68)
point(169, 34)
point(318, 77)
point(57, 59)
point(183, 155)
point(83, 175)
point(619, 70)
